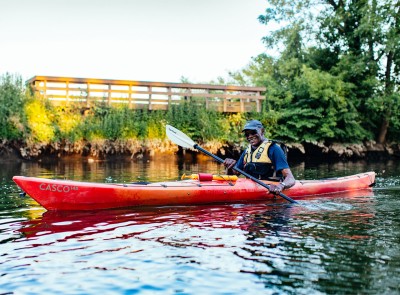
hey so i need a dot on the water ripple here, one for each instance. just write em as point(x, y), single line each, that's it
point(337, 245)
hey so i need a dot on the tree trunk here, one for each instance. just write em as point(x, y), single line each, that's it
point(388, 91)
point(383, 131)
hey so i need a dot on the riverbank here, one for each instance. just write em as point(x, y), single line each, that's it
point(137, 149)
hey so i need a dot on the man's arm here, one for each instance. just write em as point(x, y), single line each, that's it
point(279, 160)
point(288, 178)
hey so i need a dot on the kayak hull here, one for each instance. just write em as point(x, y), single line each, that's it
point(75, 195)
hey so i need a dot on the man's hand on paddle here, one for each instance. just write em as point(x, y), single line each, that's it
point(229, 164)
point(276, 188)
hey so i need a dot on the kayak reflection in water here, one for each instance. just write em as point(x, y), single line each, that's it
point(263, 159)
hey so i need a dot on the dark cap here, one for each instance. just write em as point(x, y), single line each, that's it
point(253, 125)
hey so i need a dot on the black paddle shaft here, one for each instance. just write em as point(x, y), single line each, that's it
point(196, 146)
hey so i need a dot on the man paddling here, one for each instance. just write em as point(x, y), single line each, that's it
point(263, 159)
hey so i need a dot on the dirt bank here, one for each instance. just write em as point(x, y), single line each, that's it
point(103, 148)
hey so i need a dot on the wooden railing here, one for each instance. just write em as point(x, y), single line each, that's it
point(146, 95)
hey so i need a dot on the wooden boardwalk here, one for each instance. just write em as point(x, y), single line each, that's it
point(146, 95)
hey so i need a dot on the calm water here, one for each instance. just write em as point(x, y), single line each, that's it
point(342, 245)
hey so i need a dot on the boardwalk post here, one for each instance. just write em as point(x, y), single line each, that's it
point(150, 105)
point(88, 95)
point(169, 96)
point(207, 100)
point(242, 106)
point(67, 92)
point(258, 103)
point(45, 87)
point(225, 102)
point(109, 95)
point(130, 96)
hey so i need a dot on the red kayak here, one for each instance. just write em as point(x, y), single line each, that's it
point(76, 195)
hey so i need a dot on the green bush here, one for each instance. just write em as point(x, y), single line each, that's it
point(12, 100)
point(40, 121)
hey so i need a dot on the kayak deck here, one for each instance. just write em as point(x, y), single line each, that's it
point(76, 195)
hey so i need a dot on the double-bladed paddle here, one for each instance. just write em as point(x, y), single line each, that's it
point(181, 139)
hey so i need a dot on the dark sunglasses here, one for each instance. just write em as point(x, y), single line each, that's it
point(250, 133)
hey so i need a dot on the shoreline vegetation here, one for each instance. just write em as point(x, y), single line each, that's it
point(34, 129)
point(137, 149)
point(332, 91)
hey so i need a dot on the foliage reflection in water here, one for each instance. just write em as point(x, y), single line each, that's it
point(347, 243)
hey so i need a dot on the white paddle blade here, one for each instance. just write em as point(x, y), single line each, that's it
point(179, 138)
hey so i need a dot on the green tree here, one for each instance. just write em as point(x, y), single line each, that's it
point(357, 41)
point(12, 99)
